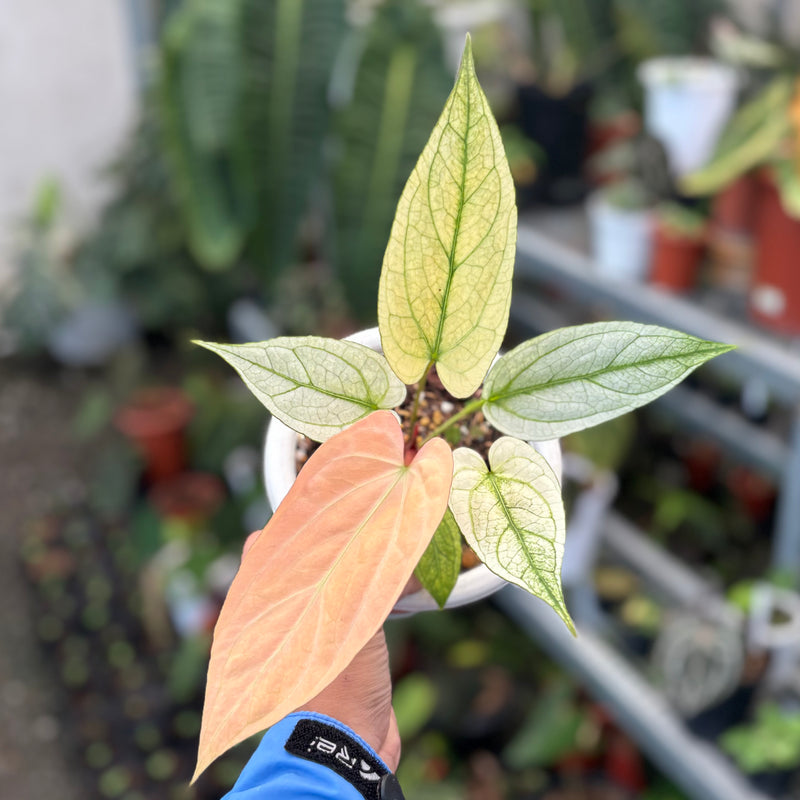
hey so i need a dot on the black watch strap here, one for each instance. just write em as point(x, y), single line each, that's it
point(331, 747)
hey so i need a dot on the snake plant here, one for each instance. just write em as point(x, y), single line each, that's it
point(396, 96)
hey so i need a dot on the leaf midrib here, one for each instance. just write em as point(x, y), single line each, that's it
point(557, 602)
point(451, 257)
point(300, 384)
point(506, 394)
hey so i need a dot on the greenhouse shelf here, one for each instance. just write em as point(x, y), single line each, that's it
point(543, 257)
point(696, 767)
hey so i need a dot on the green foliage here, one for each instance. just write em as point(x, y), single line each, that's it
point(243, 103)
point(550, 731)
point(680, 220)
point(770, 742)
point(291, 47)
point(440, 565)
point(45, 288)
point(414, 701)
point(202, 77)
point(752, 137)
point(573, 41)
point(649, 28)
point(397, 92)
point(606, 445)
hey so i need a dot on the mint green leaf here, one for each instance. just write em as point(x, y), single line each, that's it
point(440, 565)
point(573, 378)
point(445, 284)
point(512, 516)
point(316, 386)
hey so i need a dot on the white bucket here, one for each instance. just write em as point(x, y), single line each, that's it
point(686, 105)
point(621, 239)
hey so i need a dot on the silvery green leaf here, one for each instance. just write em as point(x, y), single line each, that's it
point(512, 516)
point(315, 386)
point(440, 564)
point(574, 378)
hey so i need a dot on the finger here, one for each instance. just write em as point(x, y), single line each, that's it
point(250, 541)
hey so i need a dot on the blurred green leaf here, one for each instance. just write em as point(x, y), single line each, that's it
point(550, 731)
point(414, 701)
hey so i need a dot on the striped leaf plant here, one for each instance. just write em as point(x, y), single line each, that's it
point(372, 505)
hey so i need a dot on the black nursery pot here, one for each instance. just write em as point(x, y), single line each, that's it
point(775, 783)
point(713, 722)
point(559, 126)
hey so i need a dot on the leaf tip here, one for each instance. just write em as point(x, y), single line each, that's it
point(467, 61)
point(212, 346)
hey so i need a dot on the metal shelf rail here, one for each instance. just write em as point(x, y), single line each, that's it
point(698, 768)
point(757, 357)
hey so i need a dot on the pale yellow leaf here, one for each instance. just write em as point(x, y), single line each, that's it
point(446, 280)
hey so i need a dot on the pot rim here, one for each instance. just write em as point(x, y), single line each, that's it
point(706, 74)
point(279, 475)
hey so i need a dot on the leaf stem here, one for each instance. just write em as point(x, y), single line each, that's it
point(417, 400)
point(468, 410)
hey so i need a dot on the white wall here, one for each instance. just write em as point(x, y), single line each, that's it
point(67, 96)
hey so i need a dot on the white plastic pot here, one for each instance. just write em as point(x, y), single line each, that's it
point(280, 472)
point(621, 239)
point(687, 102)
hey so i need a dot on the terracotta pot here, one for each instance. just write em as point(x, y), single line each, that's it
point(734, 208)
point(775, 295)
point(190, 496)
point(280, 472)
point(754, 493)
point(675, 259)
point(155, 421)
point(610, 131)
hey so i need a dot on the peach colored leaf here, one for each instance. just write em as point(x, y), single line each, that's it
point(322, 577)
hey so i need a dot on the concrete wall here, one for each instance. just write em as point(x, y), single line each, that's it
point(68, 94)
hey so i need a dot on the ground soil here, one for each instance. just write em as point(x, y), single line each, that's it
point(40, 469)
point(436, 406)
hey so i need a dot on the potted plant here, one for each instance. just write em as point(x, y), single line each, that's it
point(767, 749)
point(678, 242)
point(702, 666)
point(154, 419)
point(384, 496)
point(687, 102)
point(620, 222)
point(760, 146)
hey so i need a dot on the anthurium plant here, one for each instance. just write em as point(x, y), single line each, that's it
point(376, 501)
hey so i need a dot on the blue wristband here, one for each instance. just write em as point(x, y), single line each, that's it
point(309, 756)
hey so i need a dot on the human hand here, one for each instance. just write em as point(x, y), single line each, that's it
point(360, 697)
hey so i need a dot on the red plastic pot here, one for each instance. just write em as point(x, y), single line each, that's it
point(191, 496)
point(155, 421)
point(675, 260)
point(734, 208)
point(607, 132)
point(775, 295)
